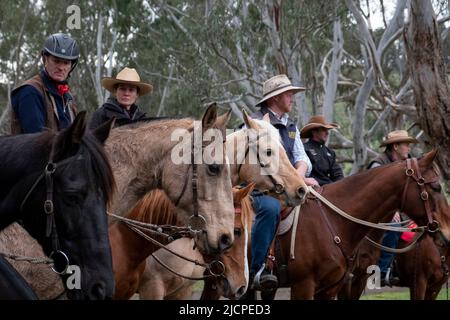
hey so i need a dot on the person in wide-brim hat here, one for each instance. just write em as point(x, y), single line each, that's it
point(398, 136)
point(127, 76)
point(126, 88)
point(316, 122)
point(277, 85)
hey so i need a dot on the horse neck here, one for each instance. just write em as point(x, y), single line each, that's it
point(133, 151)
point(371, 196)
point(236, 141)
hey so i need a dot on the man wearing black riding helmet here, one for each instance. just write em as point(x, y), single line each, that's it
point(45, 100)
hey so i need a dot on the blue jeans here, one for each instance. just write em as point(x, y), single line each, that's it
point(390, 239)
point(267, 212)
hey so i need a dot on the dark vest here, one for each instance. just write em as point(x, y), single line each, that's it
point(287, 132)
point(51, 121)
point(382, 159)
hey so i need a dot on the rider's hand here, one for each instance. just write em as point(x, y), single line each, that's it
point(311, 182)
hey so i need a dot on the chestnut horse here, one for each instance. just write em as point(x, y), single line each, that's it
point(158, 282)
point(326, 241)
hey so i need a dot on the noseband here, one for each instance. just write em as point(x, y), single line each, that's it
point(277, 188)
point(56, 255)
point(413, 171)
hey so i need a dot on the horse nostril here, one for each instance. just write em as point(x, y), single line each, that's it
point(98, 291)
point(240, 292)
point(301, 193)
point(225, 242)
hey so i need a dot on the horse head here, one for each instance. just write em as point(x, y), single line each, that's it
point(423, 199)
point(201, 188)
point(258, 156)
point(65, 210)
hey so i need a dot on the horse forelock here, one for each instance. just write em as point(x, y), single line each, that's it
point(273, 132)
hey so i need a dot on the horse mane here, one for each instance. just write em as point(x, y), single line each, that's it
point(154, 207)
point(247, 213)
point(100, 166)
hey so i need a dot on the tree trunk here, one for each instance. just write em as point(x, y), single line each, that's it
point(428, 71)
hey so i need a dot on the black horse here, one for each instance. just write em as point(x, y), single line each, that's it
point(58, 185)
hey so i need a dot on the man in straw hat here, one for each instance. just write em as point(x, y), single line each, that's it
point(126, 87)
point(324, 167)
point(276, 104)
point(397, 145)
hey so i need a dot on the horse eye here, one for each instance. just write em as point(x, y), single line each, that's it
point(436, 187)
point(214, 169)
point(269, 152)
point(237, 232)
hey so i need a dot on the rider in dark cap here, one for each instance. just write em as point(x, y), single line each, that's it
point(45, 100)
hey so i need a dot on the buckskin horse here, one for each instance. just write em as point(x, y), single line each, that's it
point(169, 276)
point(326, 241)
point(58, 185)
point(141, 155)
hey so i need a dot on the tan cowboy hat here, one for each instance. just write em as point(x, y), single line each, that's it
point(316, 122)
point(127, 76)
point(277, 85)
point(398, 136)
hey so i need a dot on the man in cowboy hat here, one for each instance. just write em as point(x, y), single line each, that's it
point(126, 87)
point(276, 103)
point(324, 167)
point(45, 100)
point(397, 145)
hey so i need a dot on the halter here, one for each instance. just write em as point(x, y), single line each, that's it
point(413, 171)
point(278, 188)
point(56, 255)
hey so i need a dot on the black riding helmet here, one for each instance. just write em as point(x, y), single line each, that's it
point(62, 46)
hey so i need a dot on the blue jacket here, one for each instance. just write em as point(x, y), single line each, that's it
point(31, 110)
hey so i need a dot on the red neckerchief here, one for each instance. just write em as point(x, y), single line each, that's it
point(62, 88)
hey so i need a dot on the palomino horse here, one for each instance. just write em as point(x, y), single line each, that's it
point(257, 155)
point(326, 241)
point(58, 184)
point(168, 276)
point(145, 156)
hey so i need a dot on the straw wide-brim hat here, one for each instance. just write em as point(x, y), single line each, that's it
point(277, 85)
point(127, 76)
point(316, 122)
point(398, 136)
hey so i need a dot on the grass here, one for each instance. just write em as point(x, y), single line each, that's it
point(400, 295)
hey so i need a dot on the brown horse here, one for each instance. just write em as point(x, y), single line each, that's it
point(158, 282)
point(149, 155)
point(326, 241)
point(423, 269)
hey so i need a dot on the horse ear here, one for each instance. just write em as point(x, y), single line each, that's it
point(210, 116)
point(247, 189)
point(222, 120)
point(248, 120)
point(266, 118)
point(78, 127)
point(428, 158)
point(102, 131)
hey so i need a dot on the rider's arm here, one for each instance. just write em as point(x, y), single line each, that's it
point(28, 104)
point(302, 163)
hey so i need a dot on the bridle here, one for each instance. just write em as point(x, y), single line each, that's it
point(60, 259)
point(413, 171)
point(278, 187)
